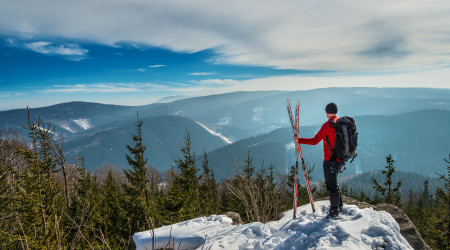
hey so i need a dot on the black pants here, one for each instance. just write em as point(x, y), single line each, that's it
point(330, 171)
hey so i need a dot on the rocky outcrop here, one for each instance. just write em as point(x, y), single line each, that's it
point(407, 228)
point(235, 217)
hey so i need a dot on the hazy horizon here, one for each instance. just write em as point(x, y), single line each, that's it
point(180, 97)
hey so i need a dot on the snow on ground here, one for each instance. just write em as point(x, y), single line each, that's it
point(225, 121)
point(46, 130)
point(225, 139)
point(357, 229)
point(66, 127)
point(290, 146)
point(84, 123)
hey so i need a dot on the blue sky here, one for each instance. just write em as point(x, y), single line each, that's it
point(133, 53)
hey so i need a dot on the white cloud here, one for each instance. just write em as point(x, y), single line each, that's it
point(11, 41)
point(104, 88)
point(89, 88)
point(70, 51)
point(333, 35)
point(9, 94)
point(202, 73)
point(212, 82)
point(156, 66)
point(436, 78)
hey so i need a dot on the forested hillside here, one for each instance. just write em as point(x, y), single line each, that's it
point(164, 135)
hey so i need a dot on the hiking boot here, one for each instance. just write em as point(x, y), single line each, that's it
point(334, 214)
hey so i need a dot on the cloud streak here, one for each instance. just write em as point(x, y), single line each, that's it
point(103, 88)
point(10, 94)
point(70, 51)
point(217, 82)
point(316, 35)
point(202, 73)
point(435, 78)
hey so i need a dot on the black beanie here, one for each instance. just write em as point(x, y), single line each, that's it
point(331, 108)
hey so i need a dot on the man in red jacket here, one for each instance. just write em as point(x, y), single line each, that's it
point(330, 163)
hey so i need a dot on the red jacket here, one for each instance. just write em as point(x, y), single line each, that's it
point(327, 129)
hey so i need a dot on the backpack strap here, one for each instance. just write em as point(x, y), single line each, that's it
point(329, 143)
point(332, 124)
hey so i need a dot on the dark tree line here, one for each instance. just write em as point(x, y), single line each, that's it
point(48, 203)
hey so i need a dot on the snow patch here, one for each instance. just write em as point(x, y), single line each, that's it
point(290, 146)
point(225, 139)
point(441, 103)
point(357, 229)
point(46, 130)
point(83, 123)
point(224, 121)
point(66, 127)
point(257, 114)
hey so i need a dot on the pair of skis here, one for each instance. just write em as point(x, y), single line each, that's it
point(298, 151)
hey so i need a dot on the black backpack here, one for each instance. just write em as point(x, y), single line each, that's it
point(346, 139)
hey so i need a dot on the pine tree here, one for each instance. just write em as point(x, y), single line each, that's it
point(137, 194)
point(270, 186)
point(409, 203)
point(426, 192)
point(174, 200)
point(39, 202)
point(388, 191)
point(364, 198)
point(274, 194)
point(209, 199)
point(262, 198)
point(183, 196)
point(248, 168)
point(113, 216)
point(85, 217)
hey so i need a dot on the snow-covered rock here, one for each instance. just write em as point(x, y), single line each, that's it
point(407, 228)
point(357, 229)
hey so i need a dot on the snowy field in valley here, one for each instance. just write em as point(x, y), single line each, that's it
point(357, 229)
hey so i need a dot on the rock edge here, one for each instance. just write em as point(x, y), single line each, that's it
point(407, 228)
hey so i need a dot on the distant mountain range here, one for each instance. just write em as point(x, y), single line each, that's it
point(410, 123)
point(418, 141)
